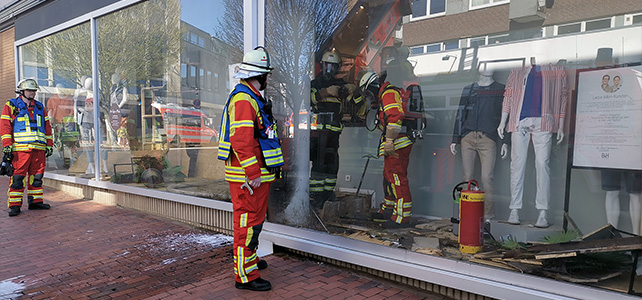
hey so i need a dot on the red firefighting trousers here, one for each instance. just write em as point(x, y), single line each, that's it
point(395, 185)
point(249, 214)
point(25, 163)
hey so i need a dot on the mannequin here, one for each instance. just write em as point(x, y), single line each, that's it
point(87, 123)
point(611, 183)
point(479, 113)
point(534, 108)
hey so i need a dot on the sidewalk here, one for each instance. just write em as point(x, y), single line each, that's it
point(83, 250)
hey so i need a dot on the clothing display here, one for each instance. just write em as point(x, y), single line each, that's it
point(479, 114)
point(535, 104)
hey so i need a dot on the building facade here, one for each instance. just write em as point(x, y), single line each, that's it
point(143, 85)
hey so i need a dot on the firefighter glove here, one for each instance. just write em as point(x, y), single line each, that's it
point(389, 147)
point(332, 91)
point(392, 131)
point(48, 151)
point(7, 149)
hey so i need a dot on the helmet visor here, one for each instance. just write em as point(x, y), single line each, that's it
point(330, 68)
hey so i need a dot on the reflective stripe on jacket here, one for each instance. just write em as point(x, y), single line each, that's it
point(245, 121)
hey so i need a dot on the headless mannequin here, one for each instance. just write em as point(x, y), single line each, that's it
point(514, 217)
point(479, 109)
point(485, 79)
point(612, 205)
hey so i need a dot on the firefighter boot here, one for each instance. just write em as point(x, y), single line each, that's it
point(14, 211)
point(38, 205)
point(258, 284)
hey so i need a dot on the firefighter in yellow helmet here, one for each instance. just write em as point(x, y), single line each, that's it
point(250, 147)
point(26, 136)
point(329, 95)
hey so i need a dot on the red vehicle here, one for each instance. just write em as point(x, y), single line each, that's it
point(184, 124)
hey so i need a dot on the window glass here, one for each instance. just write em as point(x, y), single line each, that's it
point(419, 8)
point(479, 41)
point(637, 19)
point(417, 50)
point(59, 63)
point(437, 6)
point(479, 2)
point(422, 8)
point(433, 48)
point(450, 45)
point(571, 28)
point(336, 182)
point(600, 24)
point(158, 126)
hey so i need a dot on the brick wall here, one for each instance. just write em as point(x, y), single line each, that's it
point(7, 65)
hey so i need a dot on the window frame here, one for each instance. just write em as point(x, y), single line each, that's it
point(428, 15)
point(491, 3)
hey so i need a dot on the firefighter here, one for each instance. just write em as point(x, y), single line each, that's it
point(394, 145)
point(26, 135)
point(328, 96)
point(250, 147)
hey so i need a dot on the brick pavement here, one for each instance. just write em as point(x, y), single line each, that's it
point(83, 250)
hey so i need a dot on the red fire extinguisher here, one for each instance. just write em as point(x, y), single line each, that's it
point(471, 219)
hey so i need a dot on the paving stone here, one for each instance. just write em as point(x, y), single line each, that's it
point(83, 250)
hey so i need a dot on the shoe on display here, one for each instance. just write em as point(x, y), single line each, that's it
point(514, 217)
point(258, 284)
point(541, 220)
point(262, 264)
point(90, 169)
point(39, 205)
point(14, 211)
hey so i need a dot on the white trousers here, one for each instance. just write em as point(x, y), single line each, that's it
point(530, 128)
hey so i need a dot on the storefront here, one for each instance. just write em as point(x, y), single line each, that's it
point(136, 89)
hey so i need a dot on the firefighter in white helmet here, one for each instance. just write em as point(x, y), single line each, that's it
point(250, 147)
point(395, 145)
point(329, 95)
point(26, 136)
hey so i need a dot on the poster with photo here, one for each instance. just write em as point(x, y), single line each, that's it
point(608, 122)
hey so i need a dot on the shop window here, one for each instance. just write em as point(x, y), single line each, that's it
point(571, 28)
point(599, 24)
point(423, 8)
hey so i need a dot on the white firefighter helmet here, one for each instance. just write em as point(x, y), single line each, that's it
point(331, 57)
point(367, 79)
point(27, 84)
point(255, 63)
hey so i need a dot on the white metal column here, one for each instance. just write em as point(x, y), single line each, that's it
point(253, 24)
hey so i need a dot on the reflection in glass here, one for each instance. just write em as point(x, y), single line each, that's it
point(57, 62)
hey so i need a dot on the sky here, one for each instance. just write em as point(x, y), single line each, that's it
point(203, 14)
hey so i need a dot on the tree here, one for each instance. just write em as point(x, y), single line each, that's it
point(294, 31)
point(141, 42)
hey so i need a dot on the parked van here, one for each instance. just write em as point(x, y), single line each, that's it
point(184, 124)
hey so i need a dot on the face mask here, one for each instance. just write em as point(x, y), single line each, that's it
point(262, 81)
point(330, 69)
